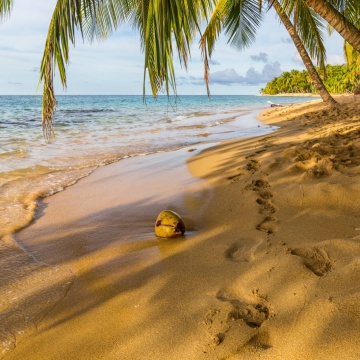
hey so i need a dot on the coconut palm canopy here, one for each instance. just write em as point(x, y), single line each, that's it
point(158, 22)
point(164, 24)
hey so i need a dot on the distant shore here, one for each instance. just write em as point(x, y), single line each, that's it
point(293, 95)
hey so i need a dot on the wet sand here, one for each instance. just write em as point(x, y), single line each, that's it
point(269, 267)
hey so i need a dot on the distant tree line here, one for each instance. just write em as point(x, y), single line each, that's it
point(338, 79)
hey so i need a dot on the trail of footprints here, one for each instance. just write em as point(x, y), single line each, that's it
point(317, 260)
point(254, 313)
point(262, 187)
point(266, 207)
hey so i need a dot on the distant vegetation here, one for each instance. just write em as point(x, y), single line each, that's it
point(339, 79)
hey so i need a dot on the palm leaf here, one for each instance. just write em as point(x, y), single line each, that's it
point(309, 26)
point(93, 18)
point(5, 8)
point(239, 19)
point(242, 18)
point(162, 24)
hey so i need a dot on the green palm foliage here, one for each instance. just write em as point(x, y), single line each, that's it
point(340, 79)
point(92, 19)
point(309, 26)
point(351, 55)
point(5, 8)
point(351, 10)
point(340, 14)
point(159, 22)
point(241, 18)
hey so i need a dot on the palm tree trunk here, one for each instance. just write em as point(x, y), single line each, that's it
point(315, 78)
point(338, 21)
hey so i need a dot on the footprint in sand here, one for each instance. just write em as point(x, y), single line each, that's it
point(254, 314)
point(243, 250)
point(252, 166)
point(266, 194)
point(315, 259)
point(235, 253)
point(267, 225)
point(260, 341)
point(257, 185)
point(267, 208)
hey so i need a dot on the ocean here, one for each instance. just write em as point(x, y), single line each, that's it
point(92, 131)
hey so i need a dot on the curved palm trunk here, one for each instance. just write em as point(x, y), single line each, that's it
point(315, 78)
point(339, 22)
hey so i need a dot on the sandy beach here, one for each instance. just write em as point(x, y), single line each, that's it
point(268, 268)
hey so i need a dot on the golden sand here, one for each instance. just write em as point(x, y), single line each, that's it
point(269, 268)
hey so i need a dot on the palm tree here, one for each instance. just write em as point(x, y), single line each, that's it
point(337, 20)
point(303, 54)
point(240, 20)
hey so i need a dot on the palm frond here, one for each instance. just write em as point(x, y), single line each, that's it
point(100, 18)
point(239, 19)
point(242, 18)
point(346, 6)
point(5, 8)
point(213, 28)
point(92, 18)
point(209, 37)
point(309, 26)
point(56, 53)
point(162, 24)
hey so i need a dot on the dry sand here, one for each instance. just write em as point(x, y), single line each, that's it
point(269, 269)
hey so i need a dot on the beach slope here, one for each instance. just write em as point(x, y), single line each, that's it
point(269, 268)
point(288, 207)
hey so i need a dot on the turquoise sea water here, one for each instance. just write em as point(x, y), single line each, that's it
point(92, 131)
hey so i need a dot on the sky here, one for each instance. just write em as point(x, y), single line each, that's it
point(114, 66)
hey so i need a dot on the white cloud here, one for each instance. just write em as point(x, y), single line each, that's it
point(334, 59)
point(261, 57)
point(271, 71)
point(252, 76)
point(226, 77)
point(213, 62)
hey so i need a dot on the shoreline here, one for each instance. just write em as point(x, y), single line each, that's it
point(275, 242)
point(293, 95)
point(50, 241)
